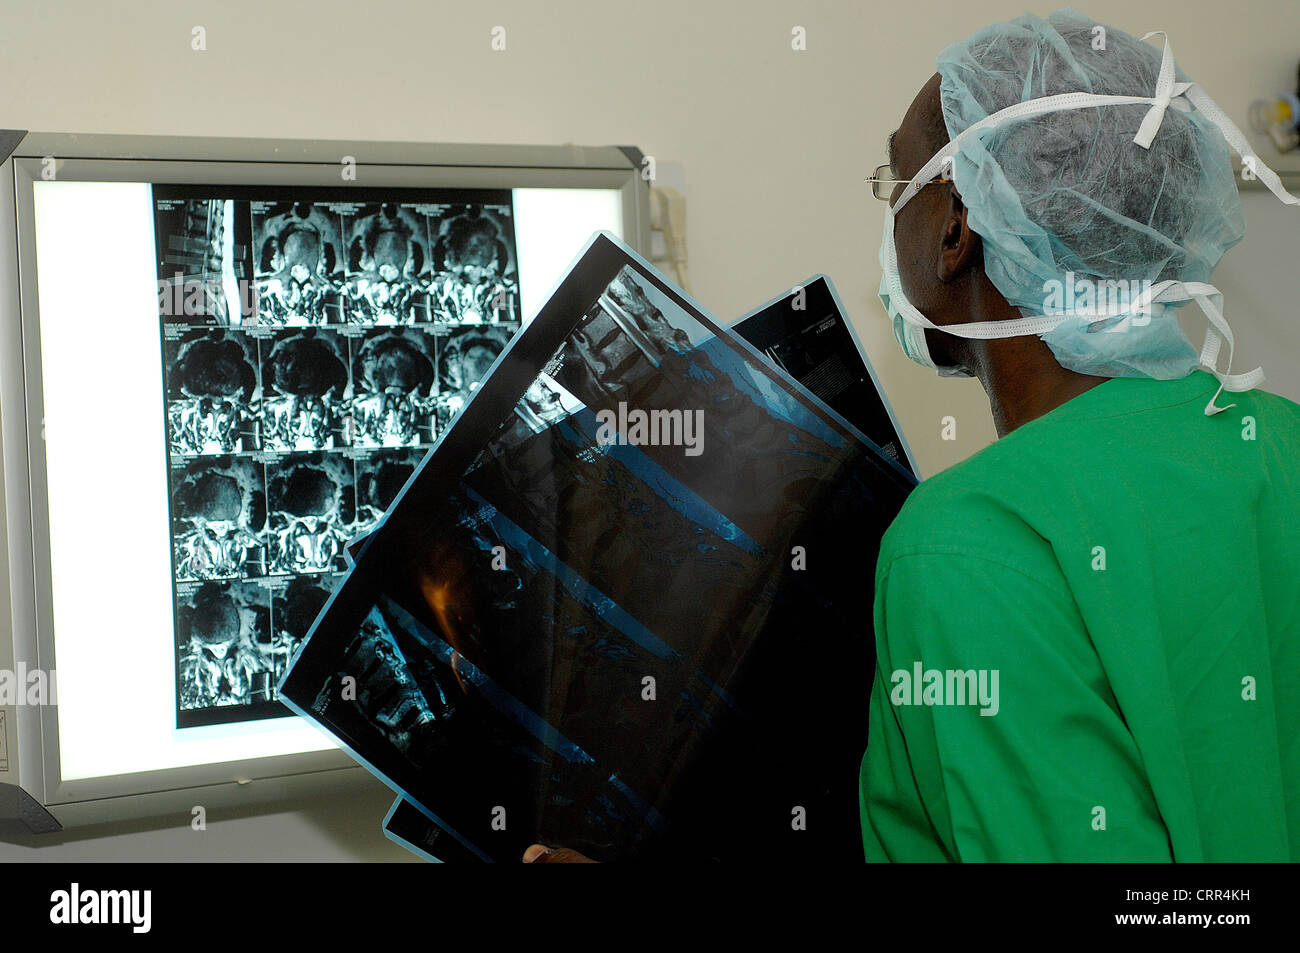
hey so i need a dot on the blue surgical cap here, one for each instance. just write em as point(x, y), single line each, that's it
point(1071, 192)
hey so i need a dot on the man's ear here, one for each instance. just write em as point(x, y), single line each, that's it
point(960, 246)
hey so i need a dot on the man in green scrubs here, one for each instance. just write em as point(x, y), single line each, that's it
point(1088, 633)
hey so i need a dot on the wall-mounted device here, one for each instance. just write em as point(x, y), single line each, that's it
point(1278, 117)
point(668, 217)
point(219, 360)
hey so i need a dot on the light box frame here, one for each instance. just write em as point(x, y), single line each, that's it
point(32, 786)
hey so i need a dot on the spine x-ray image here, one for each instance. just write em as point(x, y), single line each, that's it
point(299, 266)
point(298, 600)
point(450, 263)
point(219, 512)
point(475, 279)
point(305, 390)
point(306, 371)
point(394, 383)
point(619, 643)
point(212, 392)
point(464, 357)
point(311, 501)
point(380, 476)
point(202, 261)
point(404, 710)
point(388, 265)
point(229, 654)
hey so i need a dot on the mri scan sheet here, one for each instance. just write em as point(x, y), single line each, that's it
point(620, 606)
point(407, 825)
point(315, 344)
point(806, 333)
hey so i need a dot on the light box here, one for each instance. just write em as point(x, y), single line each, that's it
point(219, 359)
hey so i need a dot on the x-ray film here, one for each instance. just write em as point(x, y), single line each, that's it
point(315, 343)
point(407, 825)
point(807, 334)
point(620, 607)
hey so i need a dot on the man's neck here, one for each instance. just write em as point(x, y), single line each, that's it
point(1021, 390)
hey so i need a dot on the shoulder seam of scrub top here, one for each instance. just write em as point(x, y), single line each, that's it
point(1058, 587)
point(1118, 397)
point(1138, 396)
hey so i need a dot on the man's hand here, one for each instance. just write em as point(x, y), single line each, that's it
point(540, 854)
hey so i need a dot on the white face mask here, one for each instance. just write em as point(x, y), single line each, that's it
point(910, 324)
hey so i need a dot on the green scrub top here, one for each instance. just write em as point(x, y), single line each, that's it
point(1088, 639)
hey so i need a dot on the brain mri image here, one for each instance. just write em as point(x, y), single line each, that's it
point(299, 270)
point(305, 390)
point(475, 280)
point(393, 374)
point(219, 512)
point(212, 391)
point(312, 511)
point(464, 357)
point(387, 259)
point(227, 651)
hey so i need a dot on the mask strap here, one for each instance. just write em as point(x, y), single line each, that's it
point(1207, 297)
point(1016, 327)
point(985, 330)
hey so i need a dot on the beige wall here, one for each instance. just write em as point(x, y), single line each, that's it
point(774, 143)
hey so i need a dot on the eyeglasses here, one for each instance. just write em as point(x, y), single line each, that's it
point(882, 187)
